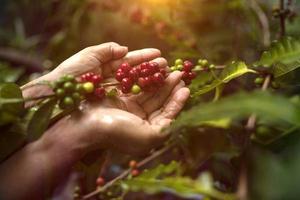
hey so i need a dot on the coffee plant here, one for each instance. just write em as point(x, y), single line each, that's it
point(237, 138)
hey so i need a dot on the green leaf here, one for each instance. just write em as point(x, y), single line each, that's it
point(162, 179)
point(40, 119)
point(239, 106)
point(11, 103)
point(232, 71)
point(283, 56)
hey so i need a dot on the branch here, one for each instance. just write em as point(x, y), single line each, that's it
point(282, 18)
point(126, 172)
point(20, 59)
point(263, 19)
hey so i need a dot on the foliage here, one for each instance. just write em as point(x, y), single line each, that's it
point(214, 145)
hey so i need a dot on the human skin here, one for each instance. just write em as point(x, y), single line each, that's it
point(130, 124)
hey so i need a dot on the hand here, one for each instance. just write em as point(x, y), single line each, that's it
point(131, 124)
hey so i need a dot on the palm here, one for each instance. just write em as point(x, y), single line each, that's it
point(137, 119)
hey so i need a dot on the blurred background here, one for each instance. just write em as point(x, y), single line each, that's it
point(35, 36)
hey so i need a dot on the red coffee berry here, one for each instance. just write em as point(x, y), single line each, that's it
point(132, 164)
point(99, 92)
point(96, 79)
point(134, 74)
point(144, 65)
point(187, 66)
point(120, 75)
point(192, 75)
point(142, 82)
point(125, 67)
point(135, 172)
point(158, 78)
point(153, 67)
point(185, 76)
point(126, 82)
point(145, 72)
point(100, 181)
point(125, 90)
point(83, 78)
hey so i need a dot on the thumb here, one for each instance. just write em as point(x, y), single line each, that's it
point(107, 51)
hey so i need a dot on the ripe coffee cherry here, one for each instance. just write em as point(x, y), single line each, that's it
point(120, 75)
point(144, 65)
point(125, 67)
point(96, 79)
point(145, 72)
point(187, 66)
point(100, 181)
point(60, 92)
point(132, 164)
point(142, 82)
point(86, 77)
point(153, 67)
point(192, 75)
point(125, 90)
point(88, 87)
point(134, 74)
point(135, 89)
point(126, 82)
point(99, 92)
point(69, 86)
point(135, 172)
point(158, 78)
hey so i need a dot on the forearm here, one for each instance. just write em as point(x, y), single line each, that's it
point(33, 172)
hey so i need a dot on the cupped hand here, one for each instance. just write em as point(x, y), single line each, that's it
point(129, 123)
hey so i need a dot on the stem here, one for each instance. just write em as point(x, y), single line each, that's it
point(126, 172)
point(110, 84)
point(39, 98)
point(282, 19)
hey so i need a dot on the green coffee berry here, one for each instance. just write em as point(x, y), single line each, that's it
point(60, 92)
point(179, 67)
point(135, 89)
point(68, 101)
point(197, 68)
point(69, 86)
point(259, 80)
point(178, 62)
point(69, 77)
point(204, 63)
point(88, 87)
point(211, 66)
point(173, 69)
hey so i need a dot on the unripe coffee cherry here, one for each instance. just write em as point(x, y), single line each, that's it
point(178, 62)
point(88, 87)
point(259, 80)
point(69, 86)
point(60, 92)
point(135, 89)
point(79, 88)
point(69, 77)
point(68, 101)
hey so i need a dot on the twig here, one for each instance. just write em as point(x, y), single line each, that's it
point(110, 84)
point(126, 172)
point(263, 19)
point(18, 58)
point(282, 17)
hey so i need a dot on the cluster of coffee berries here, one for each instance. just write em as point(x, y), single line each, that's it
point(91, 83)
point(133, 166)
point(146, 76)
point(68, 91)
point(187, 67)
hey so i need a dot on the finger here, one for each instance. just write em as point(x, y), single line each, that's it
point(165, 116)
point(160, 97)
point(138, 56)
point(106, 52)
